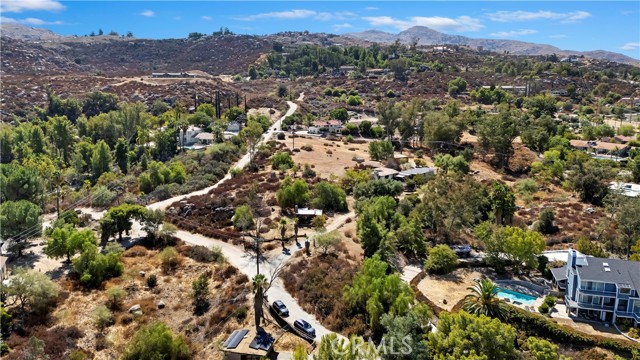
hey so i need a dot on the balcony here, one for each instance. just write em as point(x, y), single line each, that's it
point(625, 314)
point(597, 293)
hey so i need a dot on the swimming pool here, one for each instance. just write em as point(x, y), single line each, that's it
point(516, 296)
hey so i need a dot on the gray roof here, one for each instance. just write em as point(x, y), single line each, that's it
point(417, 171)
point(621, 272)
point(559, 273)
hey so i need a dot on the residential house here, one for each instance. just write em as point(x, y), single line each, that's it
point(376, 72)
point(621, 139)
point(599, 288)
point(189, 137)
point(626, 189)
point(234, 127)
point(332, 126)
point(518, 90)
point(205, 138)
point(384, 173)
point(173, 75)
point(407, 174)
point(612, 150)
point(559, 92)
point(248, 345)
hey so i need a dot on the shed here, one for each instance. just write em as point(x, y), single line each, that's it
point(205, 138)
point(246, 344)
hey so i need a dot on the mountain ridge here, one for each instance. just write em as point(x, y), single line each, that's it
point(427, 36)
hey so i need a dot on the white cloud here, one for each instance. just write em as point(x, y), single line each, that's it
point(511, 16)
point(338, 27)
point(626, 12)
point(207, 18)
point(29, 21)
point(558, 36)
point(281, 15)
point(371, 8)
point(459, 24)
point(148, 13)
point(630, 46)
point(514, 33)
point(17, 6)
point(300, 14)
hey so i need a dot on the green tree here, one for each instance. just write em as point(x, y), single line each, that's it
point(35, 350)
point(67, 241)
point(293, 193)
point(522, 246)
point(122, 155)
point(328, 240)
point(200, 292)
point(503, 203)
point(282, 91)
point(590, 180)
point(462, 336)
point(101, 159)
point(234, 113)
point(440, 132)
point(102, 317)
point(375, 292)
point(545, 221)
point(540, 105)
point(243, 218)
point(99, 102)
point(119, 219)
point(483, 300)
point(253, 73)
point(339, 114)
point(329, 197)
point(380, 150)
point(208, 109)
point(31, 289)
point(282, 161)
point(441, 260)
point(457, 86)
point(587, 247)
point(388, 116)
point(355, 348)
point(19, 182)
point(62, 133)
point(541, 349)
point(152, 222)
point(259, 284)
point(93, 267)
point(451, 164)
point(497, 133)
point(21, 221)
point(251, 135)
point(156, 341)
point(406, 334)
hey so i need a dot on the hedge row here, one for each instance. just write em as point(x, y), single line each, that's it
point(540, 326)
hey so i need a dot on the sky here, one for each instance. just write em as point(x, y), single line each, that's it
point(570, 25)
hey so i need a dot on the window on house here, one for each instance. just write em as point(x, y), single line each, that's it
point(625, 290)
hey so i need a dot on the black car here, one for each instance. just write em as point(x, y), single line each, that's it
point(280, 309)
point(305, 327)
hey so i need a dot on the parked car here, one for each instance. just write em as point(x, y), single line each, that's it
point(462, 251)
point(280, 308)
point(305, 327)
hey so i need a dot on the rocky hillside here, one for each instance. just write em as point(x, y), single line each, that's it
point(426, 36)
point(35, 51)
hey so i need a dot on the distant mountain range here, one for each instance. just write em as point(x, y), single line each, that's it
point(426, 36)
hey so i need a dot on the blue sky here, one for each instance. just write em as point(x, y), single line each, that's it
point(574, 25)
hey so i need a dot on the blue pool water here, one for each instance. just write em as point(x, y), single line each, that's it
point(516, 296)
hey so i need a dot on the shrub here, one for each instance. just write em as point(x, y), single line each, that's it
point(308, 172)
point(203, 254)
point(281, 136)
point(545, 221)
point(115, 295)
point(156, 341)
point(102, 317)
point(441, 260)
point(550, 300)
point(544, 308)
point(634, 333)
point(152, 281)
point(282, 160)
point(235, 172)
point(200, 292)
point(169, 258)
point(307, 147)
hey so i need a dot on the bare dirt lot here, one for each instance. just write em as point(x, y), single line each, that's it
point(328, 158)
point(451, 287)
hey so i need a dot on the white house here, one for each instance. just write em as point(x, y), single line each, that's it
point(626, 189)
point(384, 173)
point(190, 136)
point(332, 126)
point(599, 288)
point(234, 126)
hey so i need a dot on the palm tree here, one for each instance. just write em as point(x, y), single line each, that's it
point(259, 284)
point(483, 300)
point(283, 226)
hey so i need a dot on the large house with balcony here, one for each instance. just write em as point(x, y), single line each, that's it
point(600, 289)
